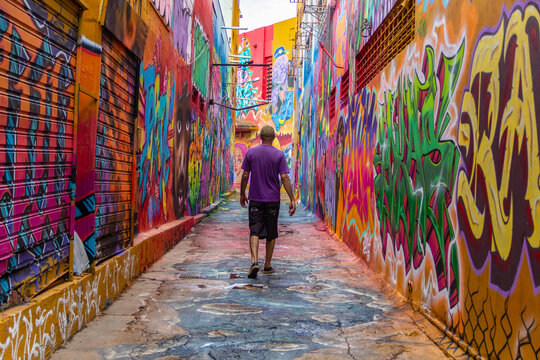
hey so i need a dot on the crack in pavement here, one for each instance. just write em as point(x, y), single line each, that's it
point(340, 326)
point(320, 287)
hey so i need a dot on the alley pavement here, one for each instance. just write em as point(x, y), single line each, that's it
point(197, 303)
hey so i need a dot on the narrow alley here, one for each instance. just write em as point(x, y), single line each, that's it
point(405, 132)
point(196, 303)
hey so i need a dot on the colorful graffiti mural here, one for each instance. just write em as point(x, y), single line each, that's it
point(182, 28)
point(416, 168)
point(182, 133)
point(498, 183)
point(245, 91)
point(430, 172)
point(195, 162)
point(156, 110)
point(74, 117)
point(165, 9)
point(37, 157)
point(270, 86)
point(201, 60)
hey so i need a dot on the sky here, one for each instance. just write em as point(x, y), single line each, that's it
point(259, 13)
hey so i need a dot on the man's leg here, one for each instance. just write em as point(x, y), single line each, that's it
point(254, 247)
point(269, 252)
point(272, 215)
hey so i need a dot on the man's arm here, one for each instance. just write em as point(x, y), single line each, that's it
point(288, 188)
point(243, 185)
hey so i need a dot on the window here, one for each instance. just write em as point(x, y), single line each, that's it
point(344, 91)
point(390, 38)
point(332, 104)
point(267, 79)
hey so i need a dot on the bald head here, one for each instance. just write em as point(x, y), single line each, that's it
point(267, 134)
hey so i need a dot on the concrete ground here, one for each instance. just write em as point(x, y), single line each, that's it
point(196, 303)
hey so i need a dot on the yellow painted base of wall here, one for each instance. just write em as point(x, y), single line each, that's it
point(36, 329)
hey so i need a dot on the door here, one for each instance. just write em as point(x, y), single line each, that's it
point(37, 98)
point(114, 150)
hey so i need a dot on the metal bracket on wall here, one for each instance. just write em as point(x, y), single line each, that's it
point(242, 65)
point(211, 102)
point(330, 56)
point(366, 26)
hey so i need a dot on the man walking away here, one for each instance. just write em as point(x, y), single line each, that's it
point(266, 164)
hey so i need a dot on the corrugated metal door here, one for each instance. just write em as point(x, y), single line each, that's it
point(114, 151)
point(37, 96)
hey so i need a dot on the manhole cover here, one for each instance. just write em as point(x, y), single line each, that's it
point(190, 275)
point(229, 309)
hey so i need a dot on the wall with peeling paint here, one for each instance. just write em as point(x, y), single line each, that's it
point(270, 45)
point(430, 171)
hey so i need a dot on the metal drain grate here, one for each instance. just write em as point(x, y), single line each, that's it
point(190, 275)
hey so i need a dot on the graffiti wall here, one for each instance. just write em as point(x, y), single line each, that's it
point(78, 126)
point(430, 171)
point(37, 159)
point(270, 85)
point(174, 133)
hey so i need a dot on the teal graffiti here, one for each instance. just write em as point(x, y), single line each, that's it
point(201, 60)
point(245, 91)
point(428, 3)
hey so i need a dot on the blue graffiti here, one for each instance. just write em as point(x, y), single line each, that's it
point(154, 162)
point(284, 110)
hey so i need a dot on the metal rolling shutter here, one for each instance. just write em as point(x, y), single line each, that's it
point(114, 151)
point(37, 73)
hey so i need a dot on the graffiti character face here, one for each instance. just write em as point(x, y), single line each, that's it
point(237, 161)
point(181, 151)
point(240, 151)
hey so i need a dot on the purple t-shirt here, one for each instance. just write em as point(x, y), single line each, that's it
point(265, 163)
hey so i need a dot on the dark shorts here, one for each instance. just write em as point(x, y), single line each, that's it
point(263, 219)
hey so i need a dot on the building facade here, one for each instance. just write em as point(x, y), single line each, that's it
point(418, 142)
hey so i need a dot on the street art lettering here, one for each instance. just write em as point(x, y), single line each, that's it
point(38, 330)
point(201, 60)
point(195, 163)
point(338, 183)
point(356, 221)
point(320, 163)
point(433, 166)
point(157, 97)
point(208, 153)
point(416, 168)
point(182, 28)
point(227, 154)
point(499, 134)
point(165, 9)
